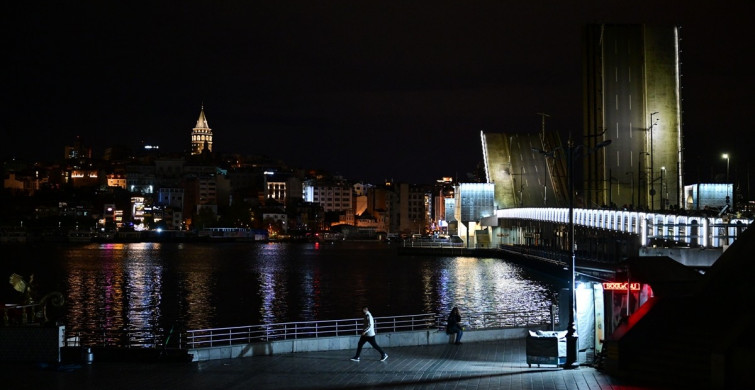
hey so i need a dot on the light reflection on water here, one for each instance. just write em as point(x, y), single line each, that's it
point(151, 287)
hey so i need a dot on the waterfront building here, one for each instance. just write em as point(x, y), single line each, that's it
point(201, 135)
point(282, 187)
point(443, 189)
point(140, 178)
point(379, 202)
point(77, 151)
point(18, 183)
point(414, 206)
point(171, 197)
point(168, 171)
point(276, 222)
point(116, 180)
point(331, 195)
point(173, 218)
point(632, 97)
point(82, 177)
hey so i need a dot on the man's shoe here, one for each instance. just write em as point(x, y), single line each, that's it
point(355, 359)
point(458, 343)
point(384, 358)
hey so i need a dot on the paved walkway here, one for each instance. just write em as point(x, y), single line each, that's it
point(487, 365)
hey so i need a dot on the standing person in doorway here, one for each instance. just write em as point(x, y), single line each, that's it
point(368, 336)
point(453, 325)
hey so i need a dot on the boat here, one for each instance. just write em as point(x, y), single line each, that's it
point(231, 234)
point(13, 236)
point(80, 236)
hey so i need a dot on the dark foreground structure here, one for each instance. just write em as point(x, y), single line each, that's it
point(695, 331)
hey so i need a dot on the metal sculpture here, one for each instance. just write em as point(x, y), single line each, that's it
point(31, 310)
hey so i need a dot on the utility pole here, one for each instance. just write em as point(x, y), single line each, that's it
point(571, 329)
point(543, 115)
point(652, 180)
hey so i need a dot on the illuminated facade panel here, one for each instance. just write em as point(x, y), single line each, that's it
point(331, 197)
point(710, 196)
point(474, 201)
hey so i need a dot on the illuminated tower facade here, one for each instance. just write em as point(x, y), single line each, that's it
point(201, 135)
point(632, 97)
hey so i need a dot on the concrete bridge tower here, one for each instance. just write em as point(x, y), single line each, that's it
point(631, 93)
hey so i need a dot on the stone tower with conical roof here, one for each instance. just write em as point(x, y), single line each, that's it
point(201, 135)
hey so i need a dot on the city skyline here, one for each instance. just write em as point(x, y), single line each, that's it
point(370, 91)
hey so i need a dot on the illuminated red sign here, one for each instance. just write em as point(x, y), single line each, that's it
point(621, 286)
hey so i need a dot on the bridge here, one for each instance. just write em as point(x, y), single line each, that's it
point(616, 234)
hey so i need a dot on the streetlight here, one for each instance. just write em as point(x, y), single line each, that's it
point(552, 153)
point(571, 330)
point(639, 175)
point(631, 178)
point(652, 182)
point(663, 200)
point(726, 156)
point(610, 188)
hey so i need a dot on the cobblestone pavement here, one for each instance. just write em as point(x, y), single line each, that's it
point(485, 365)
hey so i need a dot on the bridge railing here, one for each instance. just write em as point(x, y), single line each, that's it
point(692, 230)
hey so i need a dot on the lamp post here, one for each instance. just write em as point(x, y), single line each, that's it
point(663, 200)
point(631, 178)
point(545, 172)
point(571, 330)
point(639, 176)
point(726, 156)
point(610, 188)
point(652, 182)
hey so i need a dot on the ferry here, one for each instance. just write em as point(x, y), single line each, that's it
point(80, 236)
point(13, 236)
point(233, 234)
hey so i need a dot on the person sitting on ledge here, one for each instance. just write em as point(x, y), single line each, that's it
point(453, 325)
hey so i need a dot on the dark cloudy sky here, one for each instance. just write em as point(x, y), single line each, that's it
point(368, 89)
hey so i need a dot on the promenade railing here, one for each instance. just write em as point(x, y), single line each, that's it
point(122, 338)
point(204, 338)
point(428, 243)
point(214, 337)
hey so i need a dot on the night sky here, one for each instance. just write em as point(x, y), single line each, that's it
point(370, 90)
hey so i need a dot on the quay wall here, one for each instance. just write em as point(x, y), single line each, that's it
point(338, 343)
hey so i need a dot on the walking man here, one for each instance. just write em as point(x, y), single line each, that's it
point(368, 336)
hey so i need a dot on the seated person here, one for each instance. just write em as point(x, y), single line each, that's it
point(453, 325)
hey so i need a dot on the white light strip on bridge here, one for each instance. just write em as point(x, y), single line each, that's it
point(707, 231)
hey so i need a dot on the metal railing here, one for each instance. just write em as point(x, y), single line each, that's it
point(205, 338)
point(520, 319)
point(121, 338)
point(296, 330)
point(427, 243)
